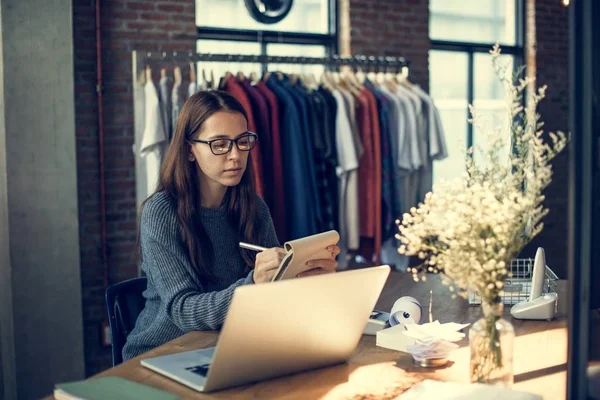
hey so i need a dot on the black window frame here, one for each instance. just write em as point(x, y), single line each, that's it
point(265, 37)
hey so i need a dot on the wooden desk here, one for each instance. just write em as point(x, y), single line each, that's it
point(540, 357)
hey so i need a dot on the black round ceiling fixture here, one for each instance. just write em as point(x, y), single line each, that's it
point(268, 11)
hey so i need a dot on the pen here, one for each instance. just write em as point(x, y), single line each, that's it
point(252, 247)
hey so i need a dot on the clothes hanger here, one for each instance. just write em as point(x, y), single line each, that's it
point(253, 78)
point(345, 83)
point(360, 76)
point(352, 79)
point(326, 82)
point(402, 78)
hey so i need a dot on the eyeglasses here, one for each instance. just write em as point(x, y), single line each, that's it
point(245, 142)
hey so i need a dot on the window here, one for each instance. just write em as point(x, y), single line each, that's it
point(460, 72)
point(226, 27)
point(476, 21)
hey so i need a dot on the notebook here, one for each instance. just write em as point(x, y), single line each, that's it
point(300, 251)
point(110, 387)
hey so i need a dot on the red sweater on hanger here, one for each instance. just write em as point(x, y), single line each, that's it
point(278, 211)
point(366, 169)
point(232, 87)
point(376, 177)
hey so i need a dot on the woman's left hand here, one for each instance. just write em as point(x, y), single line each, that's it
point(324, 266)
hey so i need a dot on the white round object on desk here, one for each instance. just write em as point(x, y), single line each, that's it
point(406, 310)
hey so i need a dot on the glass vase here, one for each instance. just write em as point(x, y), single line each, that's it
point(491, 340)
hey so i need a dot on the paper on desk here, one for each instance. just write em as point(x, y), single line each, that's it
point(394, 338)
point(436, 331)
point(435, 390)
point(433, 340)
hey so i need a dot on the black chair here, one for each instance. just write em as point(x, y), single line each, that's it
point(124, 302)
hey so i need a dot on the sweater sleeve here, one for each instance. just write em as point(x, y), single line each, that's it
point(167, 265)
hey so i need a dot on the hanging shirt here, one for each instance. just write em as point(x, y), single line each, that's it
point(418, 157)
point(153, 138)
point(276, 162)
point(300, 219)
point(324, 145)
point(331, 160)
point(165, 106)
point(388, 175)
point(176, 103)
point(376, 243)
point(347, 174)
point(396, 130)
point(262, 125)
point(306, 137)
point(232, 87)
point(351, 107)
point(410, 179)
point(437, 142)
point(366, 168)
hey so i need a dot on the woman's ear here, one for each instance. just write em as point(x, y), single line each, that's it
point(191, 157)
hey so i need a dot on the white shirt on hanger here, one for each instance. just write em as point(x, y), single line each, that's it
point(154, 136)
point(347, 172)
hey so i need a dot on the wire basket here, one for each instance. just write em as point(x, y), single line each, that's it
point(516, 288)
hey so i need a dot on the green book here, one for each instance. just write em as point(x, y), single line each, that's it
point(110, 387)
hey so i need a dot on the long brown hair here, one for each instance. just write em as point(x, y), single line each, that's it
point(179, 179)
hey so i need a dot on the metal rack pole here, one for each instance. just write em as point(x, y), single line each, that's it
point(356, 60)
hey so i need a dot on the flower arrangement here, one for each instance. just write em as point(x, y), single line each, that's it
point(468, 229)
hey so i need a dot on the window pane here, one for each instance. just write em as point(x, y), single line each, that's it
point(227, 47)
point(305, 16)
point(480, 21)
point(489, 102)
point(296, 50)
point(448, 83)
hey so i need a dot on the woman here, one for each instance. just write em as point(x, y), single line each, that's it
point(190, 228)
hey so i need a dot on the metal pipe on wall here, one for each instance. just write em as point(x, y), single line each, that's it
point(99, 90)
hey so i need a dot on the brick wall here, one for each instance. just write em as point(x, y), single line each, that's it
point(552, 29)
point(391, 28)
point(126, 25)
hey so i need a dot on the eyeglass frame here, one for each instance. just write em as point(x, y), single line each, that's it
point(231, 141)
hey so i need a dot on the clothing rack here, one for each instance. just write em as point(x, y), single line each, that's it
point(390, 62)
point(141, 59)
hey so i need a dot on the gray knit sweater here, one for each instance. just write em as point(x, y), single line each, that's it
point(176, 300)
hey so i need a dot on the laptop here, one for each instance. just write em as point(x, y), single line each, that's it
point(279, 328)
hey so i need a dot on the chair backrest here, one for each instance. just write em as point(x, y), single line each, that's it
point(124, 302)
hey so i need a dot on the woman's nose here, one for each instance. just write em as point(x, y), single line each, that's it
point(234, 154)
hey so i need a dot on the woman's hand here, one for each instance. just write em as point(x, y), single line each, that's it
point(266, 264)
point(324, 266)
